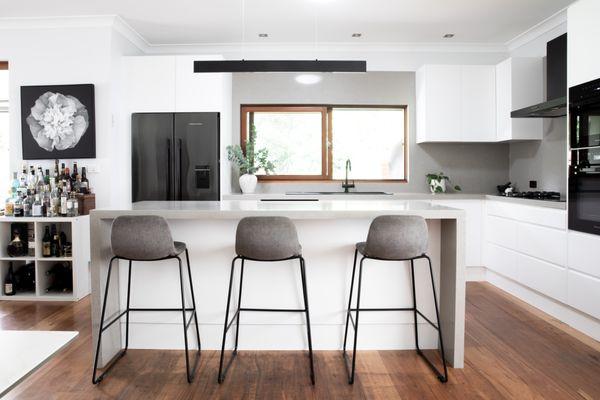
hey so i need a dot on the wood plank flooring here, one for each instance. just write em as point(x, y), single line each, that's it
point(512, 352)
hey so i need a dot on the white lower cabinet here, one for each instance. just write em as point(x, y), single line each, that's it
point(581, 248)
point(542, 276)
point(501, 260)
point(529, 245)
point(584, 293)
point(541, 242)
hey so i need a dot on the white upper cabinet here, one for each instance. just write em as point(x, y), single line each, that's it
point(478, 103)
point(456, 103)
point(519, 84)
point(583, 57)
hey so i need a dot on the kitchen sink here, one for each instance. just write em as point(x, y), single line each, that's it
point(335, 193)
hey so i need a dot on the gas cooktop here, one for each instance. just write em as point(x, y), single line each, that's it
point(538, 195)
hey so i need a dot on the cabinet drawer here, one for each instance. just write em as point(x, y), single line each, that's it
point(549, 217)
point(581, 246)
point(541, 242)
point(501, 231)
point(501, 260)
point(584, 293)
point(544, 277)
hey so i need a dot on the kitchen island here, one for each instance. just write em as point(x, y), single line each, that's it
point(328, 231)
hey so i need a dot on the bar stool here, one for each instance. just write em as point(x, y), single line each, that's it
point(394, 238)
point(264, 239)
point(146, 238)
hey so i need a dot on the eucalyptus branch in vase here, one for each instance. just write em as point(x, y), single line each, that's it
point(250, 161)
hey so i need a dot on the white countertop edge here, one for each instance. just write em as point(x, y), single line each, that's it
point(324, 209)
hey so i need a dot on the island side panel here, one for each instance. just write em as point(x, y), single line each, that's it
point(452, 291)
point(100, 256)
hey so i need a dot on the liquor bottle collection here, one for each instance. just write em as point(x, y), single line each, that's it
point(39, 194)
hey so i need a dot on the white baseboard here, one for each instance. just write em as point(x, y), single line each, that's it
point(584, 323)
point(282, 337)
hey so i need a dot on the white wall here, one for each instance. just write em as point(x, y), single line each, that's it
point(69, 55)
point(4, 137)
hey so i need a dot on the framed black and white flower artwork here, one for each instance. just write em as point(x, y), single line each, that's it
point(58, 122)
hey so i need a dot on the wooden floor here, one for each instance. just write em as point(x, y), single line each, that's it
point(512, 352)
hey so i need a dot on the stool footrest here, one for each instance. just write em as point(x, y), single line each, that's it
point(274, 309)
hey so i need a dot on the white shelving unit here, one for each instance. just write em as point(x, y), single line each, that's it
point(77, 230)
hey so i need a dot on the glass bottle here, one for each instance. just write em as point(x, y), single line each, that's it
point(9, 207)
point(84, 187)
point(63, 203)
point(9, 287)
point(36, 209)
point(18, 207)
point(27, 205)
point(16, 248)
point(47, 243)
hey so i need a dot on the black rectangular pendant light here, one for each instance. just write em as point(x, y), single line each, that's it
point(280, 66)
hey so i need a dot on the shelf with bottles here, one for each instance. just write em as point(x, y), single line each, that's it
point(55, 278)
point(75, 235)
point(18, 279)
point(56, 240)
point(17, 240)
point(39, 194)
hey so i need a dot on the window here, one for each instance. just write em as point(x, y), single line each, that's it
point(314, 142)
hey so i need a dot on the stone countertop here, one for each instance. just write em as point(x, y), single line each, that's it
point(321, 209)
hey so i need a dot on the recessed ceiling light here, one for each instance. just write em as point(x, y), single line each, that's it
point(263, 35)
point(308, 79)
point(448, 36)
point(356, 35)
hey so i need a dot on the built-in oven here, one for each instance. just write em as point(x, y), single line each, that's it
point(584, 166)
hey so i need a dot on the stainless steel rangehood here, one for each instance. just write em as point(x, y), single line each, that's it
point(556, 84)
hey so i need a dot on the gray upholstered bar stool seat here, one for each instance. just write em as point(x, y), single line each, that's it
point(264, 239)
point(146, 238)
point(394, 238)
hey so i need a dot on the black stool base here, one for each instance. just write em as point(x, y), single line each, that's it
point(351, 369)
point(236, 317)
point(190, 371)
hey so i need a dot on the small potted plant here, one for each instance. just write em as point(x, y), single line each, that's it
point(249, 162)
point(437, 183)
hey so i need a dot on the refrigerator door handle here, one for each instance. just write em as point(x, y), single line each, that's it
point(170, 169)
point(180, 169)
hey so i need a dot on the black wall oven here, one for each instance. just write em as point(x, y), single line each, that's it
point(584, 166)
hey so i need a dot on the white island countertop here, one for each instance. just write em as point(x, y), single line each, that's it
point(328, 231)
point(322, 209)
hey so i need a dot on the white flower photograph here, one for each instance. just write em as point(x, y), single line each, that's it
point(58, 121)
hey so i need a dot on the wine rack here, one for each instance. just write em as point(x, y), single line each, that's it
point(77, 262)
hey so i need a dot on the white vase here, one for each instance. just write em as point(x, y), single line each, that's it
point(248, 183)
point(435, 184)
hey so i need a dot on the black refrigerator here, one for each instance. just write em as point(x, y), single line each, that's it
point(175, 156)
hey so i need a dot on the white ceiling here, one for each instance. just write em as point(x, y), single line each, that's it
point(380, 21)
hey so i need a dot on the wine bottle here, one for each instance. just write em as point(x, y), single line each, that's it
point(47, 243)
point(9, 288)
point(55, 243)
point(85, 184)
point(16, 248)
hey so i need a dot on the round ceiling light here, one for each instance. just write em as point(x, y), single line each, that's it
point(308, 79)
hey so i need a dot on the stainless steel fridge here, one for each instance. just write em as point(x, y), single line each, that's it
point(175, 156)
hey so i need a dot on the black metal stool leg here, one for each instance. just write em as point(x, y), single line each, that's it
point(305, 295)
point(187, 258)
point(414, 297)
point(128, 302)
point(355, 323)
point(237, 323)
point(349, 302)
point(442, 378)
point(98, 379)
point(221, 376)
point(189, 370)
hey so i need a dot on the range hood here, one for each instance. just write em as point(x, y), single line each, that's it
point(556, 84)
